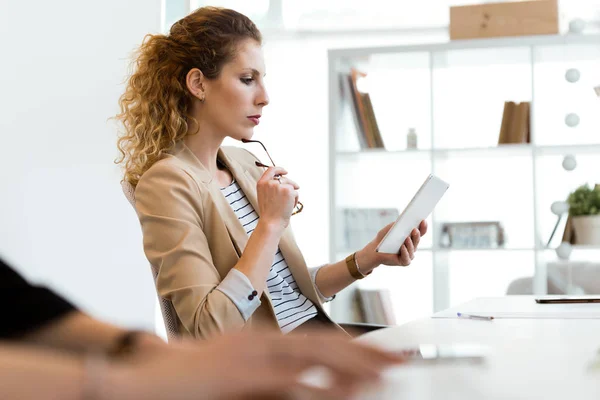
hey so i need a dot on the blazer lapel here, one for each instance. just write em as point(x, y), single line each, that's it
point(236, 230)
point(248, 186)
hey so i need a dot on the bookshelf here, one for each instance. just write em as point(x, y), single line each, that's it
point(453, 94)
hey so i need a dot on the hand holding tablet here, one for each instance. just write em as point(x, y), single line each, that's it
point(419, 208)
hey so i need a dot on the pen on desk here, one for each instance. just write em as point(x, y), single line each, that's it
point(472, 316)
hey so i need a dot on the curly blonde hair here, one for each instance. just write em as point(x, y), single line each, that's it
point(154, 107)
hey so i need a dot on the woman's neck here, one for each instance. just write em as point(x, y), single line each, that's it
point(205, 150)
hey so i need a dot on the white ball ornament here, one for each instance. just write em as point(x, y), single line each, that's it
point(569, 163)
point(572, 120)
point(572, 75)
point(577, 25)
point(559, 207)
point(563, 251)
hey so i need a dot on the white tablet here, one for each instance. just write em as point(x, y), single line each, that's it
point(419, 208)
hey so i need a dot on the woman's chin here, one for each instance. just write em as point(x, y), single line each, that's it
point(246, 135)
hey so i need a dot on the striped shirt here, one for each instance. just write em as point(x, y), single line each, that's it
point(292, 308)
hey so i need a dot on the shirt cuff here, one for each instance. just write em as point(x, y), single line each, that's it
point(238, 288)
point(313, 277)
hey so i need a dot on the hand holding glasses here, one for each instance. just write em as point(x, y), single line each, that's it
point(299, 206)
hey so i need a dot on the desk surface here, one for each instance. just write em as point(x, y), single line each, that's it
point(531, 359)
point(522, 307)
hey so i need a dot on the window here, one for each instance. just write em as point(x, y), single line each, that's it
point(357, 15)
point(256, 10)
point(362, 15)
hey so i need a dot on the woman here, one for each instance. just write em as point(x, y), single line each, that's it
point(222, 267)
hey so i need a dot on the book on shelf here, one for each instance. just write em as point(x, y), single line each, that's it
point(515, 126)
point(372, 128)
point(352, 93)
point(473, 235)
point(376, 306)
point(358, 226)
point(365, 120)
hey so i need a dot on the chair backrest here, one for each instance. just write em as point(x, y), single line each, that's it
point(166, 307)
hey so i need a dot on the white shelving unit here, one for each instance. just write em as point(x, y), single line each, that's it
point(453, 93)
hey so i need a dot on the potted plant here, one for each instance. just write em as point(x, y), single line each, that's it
point(584, 210)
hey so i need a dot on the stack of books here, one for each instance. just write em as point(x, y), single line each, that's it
point(515, 126)
point(362, 109)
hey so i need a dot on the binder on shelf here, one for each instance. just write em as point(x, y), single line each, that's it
point(509, 108)
point(349, 83)
point(520, 123)
point(364, 114)
point(372, 128)
point(515, 127)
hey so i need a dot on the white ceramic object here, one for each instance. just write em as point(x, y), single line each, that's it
point(569, 163)
point(577, 25)
point(563, 251)
point(572, 120)
point(587, 229)
point(559, 207)
point(572, 75)
point(411, 139)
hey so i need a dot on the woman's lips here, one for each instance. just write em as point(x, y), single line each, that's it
point(254, 118)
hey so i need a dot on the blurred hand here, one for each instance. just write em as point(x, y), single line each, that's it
point(253, 365)
point(368, 258)
point(276, 197)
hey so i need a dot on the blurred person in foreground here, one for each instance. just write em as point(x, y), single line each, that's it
point(51, 350)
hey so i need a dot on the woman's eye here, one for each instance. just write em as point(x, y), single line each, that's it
point(246, 81)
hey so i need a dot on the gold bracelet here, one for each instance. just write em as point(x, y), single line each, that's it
point(353, 267)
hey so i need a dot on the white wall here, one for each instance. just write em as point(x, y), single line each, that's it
point(63, 218)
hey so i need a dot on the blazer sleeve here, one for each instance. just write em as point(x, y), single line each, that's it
point(169, 207)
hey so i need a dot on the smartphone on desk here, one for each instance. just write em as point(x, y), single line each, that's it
point(564, 299)
point(446, 353)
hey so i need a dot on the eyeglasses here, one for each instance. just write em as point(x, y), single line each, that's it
point(299, 206)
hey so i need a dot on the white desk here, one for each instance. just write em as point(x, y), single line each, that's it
point(531, 359)
point(522, 307)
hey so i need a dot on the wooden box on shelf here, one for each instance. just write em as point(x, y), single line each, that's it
point(536, 17)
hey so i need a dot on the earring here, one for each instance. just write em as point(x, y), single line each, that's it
point(202, 98)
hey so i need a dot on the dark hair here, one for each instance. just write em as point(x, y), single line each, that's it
point(154, 107)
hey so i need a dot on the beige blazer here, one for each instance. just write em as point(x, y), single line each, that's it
point(194, 238)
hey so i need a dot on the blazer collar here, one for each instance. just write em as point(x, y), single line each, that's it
point(184, 153)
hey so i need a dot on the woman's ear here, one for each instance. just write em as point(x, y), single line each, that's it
point(194, 81)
